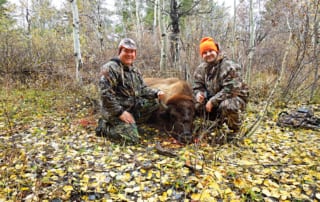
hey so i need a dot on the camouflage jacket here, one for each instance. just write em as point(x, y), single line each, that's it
point(220, 80)
point(121, 89)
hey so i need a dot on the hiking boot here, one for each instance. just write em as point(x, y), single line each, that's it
point(102, 129)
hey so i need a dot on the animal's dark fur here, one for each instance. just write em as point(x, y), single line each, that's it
point(177, 118)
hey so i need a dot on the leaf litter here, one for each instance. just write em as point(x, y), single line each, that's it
point(50, 153)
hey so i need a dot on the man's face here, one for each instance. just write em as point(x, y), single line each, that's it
point(127, 56)
point(209, 56)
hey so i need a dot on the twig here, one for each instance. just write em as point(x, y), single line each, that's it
point(164, 152)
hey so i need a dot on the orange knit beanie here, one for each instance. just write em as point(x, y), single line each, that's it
point(207, 44)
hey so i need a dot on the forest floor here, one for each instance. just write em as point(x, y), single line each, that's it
point(49, 152)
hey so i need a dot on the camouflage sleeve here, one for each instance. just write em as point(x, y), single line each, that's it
point(147, 92)
point(107, 84)
point(231, 81)
point(199, 80)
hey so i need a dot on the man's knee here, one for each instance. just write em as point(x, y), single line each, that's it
point(126, 132)
point(231, 111)
point(232, 105)
point(118, 131)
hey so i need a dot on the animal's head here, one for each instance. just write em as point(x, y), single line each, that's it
point(179, 113)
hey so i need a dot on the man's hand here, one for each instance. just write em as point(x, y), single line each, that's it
point(200, 97)
point(209, 106)
point(127, 117)
point(161, 95)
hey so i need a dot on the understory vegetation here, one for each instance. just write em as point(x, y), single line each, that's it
point(50, 153)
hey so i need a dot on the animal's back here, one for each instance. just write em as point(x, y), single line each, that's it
point(150, 81)
point(170, 86)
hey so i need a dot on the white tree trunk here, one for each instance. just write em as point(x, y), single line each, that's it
point(138, 22)
point(164, 41)
point(155, 17)
point(234, 29)
point(99, 24)
point(76, 38)
point(251, 44)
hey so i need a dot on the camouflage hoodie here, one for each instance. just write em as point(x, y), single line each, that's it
point(121, 89)
point(220, 80)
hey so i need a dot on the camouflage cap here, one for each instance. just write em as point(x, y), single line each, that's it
point(127, 43)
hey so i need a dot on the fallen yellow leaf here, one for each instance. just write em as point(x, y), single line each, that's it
point(169, 192)
point(218, 176)
point(163, 197)
point(270, 184)
point(266, 192)
point(67, 188)
point(238, 182)
point(195, 196)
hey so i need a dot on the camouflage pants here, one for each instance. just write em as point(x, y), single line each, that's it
point(115, 129)
point(228, 111)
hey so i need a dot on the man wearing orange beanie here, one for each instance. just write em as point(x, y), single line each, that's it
point(219, 89)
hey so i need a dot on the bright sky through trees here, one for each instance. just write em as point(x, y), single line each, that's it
point(110, 3)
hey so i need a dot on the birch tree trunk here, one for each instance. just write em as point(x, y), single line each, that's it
point(120, 5)
point(234, 29)
point(175, 34)
point(156, 14)
point(76, 38)
point(164, 41)
point(251, 44)
point(29, 35)
point(138, 22)
point(99, 25)
point(316, 41)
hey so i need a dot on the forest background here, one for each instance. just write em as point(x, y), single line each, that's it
point(49, 65)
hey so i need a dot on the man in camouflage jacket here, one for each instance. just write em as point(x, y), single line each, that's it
point(126, 100)
point(218, 86)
